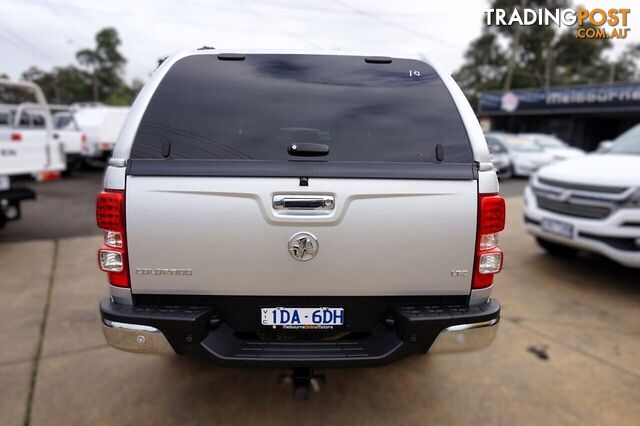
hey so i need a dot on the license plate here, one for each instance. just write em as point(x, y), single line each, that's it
point(4, 183)
point(323, 317)
point(557, 227)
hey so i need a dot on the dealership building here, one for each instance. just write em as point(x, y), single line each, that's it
point(583, 116)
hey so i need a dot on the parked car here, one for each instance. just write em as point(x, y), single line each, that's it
point(604, 146)
point(556, 147)
point(25, 150)
point(500, 157)
point(590, 203)
point(264, 229)
point(525, 156)
point(101, 125)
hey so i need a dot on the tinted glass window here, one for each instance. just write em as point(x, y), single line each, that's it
point(5, 118)
point(64, 121)
point(549, 142)
point(627, 143)
point(24, 120)
point(495, 147)
point(37, 120)
point(253, 109)
point(522, 145)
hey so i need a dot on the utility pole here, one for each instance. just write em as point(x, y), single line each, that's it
point(94, 84)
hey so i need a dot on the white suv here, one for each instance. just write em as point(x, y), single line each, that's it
point(590, 203)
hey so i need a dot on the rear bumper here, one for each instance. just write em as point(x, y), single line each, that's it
point(200, 331)
point(17, 194)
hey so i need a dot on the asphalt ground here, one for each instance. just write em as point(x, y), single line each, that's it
point(63, 208)
point(567, 350)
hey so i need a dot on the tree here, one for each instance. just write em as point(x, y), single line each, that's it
point(62, 85)
point(579, 61)
point(105, 64)
point(513, 56)
point(484, 67)
point(626, 67)
point(89, 59)
point(161, 60)
point(12, 95)
point(125, 95)
point(101, 80)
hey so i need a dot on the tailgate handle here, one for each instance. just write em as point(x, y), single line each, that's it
point(303, 202)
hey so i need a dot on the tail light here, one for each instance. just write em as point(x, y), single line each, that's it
point(83, 141)
point(488, 260)
point(47, 175)
point(16, 137)
point(112, 257)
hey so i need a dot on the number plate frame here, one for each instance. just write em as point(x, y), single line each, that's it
point(557, 227)
point(302, 317)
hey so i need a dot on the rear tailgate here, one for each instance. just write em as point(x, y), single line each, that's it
point(23, 151)
point(222, 236)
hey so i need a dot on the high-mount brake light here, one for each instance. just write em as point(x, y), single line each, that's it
point(112, 257)
point(489, 258)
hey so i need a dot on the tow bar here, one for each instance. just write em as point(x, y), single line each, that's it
point(303, 381)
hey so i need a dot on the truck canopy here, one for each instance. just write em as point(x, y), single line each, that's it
point(246, 113)
point(101, 124)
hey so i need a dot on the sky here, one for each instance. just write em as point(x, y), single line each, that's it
point(47, 33)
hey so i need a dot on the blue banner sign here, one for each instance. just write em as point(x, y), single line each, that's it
point(562, 99)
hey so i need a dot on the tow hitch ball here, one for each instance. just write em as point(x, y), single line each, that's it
point(303, 381)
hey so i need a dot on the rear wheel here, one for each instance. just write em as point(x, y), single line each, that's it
point(556, 249)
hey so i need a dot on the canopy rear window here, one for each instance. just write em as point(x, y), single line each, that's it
point(253, 109)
